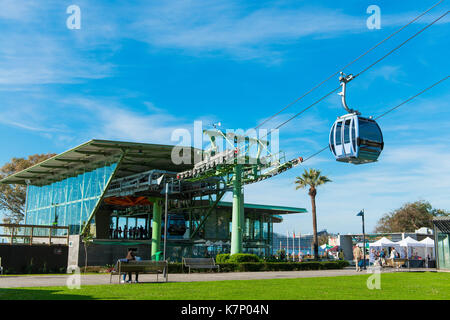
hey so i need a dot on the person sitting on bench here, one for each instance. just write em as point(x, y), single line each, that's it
point(130, 257)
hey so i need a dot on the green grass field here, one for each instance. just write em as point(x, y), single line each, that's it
point(409, 285)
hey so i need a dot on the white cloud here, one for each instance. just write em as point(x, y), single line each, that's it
point(230, 28)
point(37, 49)
point(212, 26)
point(109, 119)
point(42, 60)
point(11, 10)
point(390, 73)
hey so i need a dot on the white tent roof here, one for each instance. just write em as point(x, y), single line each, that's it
point(383, 242)
point(428, 242)
point(410, 242)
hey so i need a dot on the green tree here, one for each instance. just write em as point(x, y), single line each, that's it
point(323, 239)
point(12, 197)
point(408, 218)
point(87, 238)
point(312, 179)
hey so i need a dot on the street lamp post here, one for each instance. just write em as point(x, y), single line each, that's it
point(361, 214)
point(165, 220)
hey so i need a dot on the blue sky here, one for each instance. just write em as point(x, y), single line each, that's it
point(137, 70)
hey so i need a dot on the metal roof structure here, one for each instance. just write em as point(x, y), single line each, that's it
point(138, 157)
point(442, 224)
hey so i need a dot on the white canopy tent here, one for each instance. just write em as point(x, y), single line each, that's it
point(429, 243)
point(383, 243)
point(410, 246)
point(410, 242)
point(429, 247)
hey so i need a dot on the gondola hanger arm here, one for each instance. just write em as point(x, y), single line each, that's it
point(344, 79)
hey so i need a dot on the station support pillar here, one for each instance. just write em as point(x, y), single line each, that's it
point(156, 227)
point(237, 217)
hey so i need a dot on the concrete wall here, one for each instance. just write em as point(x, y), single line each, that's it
point(345, 243)
point(20, 258)
point(73, 252)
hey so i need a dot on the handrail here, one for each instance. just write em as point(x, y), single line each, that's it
point(14, 232)
point(15, 225)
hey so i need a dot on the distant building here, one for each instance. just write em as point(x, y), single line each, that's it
point(291, 245)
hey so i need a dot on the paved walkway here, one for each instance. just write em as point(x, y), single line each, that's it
point(93, 279)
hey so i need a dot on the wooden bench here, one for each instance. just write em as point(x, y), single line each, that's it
point(200, 263)
point(141, 266)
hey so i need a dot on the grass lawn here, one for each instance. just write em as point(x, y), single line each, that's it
point(408, 285)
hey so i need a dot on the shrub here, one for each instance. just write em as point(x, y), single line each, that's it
point(222, 258)
point(243, 257)
point(272, 259)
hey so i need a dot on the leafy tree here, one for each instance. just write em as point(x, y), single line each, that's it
point(12, 197)
point(409, 218)
point(87, 238)
point(312, 179)
point(323, 239)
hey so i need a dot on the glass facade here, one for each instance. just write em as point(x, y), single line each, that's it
point(443, 248)
point(292, 245)
point(68, 202)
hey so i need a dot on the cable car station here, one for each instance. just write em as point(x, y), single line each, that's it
point(118, 189)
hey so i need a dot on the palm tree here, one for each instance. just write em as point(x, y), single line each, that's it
point(312, 179)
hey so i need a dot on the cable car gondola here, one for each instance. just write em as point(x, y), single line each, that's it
point(353, 138)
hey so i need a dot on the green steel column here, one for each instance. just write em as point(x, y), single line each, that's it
point(156, 227)
point(237, 213)
point(242, 215)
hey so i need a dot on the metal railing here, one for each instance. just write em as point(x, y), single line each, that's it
point(34, 234)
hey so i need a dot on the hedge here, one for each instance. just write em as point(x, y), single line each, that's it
point(222, 257)
point(243, 257)
point(237, 258)
point(268, 266)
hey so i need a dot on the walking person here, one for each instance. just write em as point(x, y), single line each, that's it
point(383, 257)
point(357, 257)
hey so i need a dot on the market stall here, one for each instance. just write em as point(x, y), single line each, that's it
point(377, 246)
point(410, 248)
point(429, 253)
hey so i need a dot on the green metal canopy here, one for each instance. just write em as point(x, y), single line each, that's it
point(139, 157)
point(279, 209)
